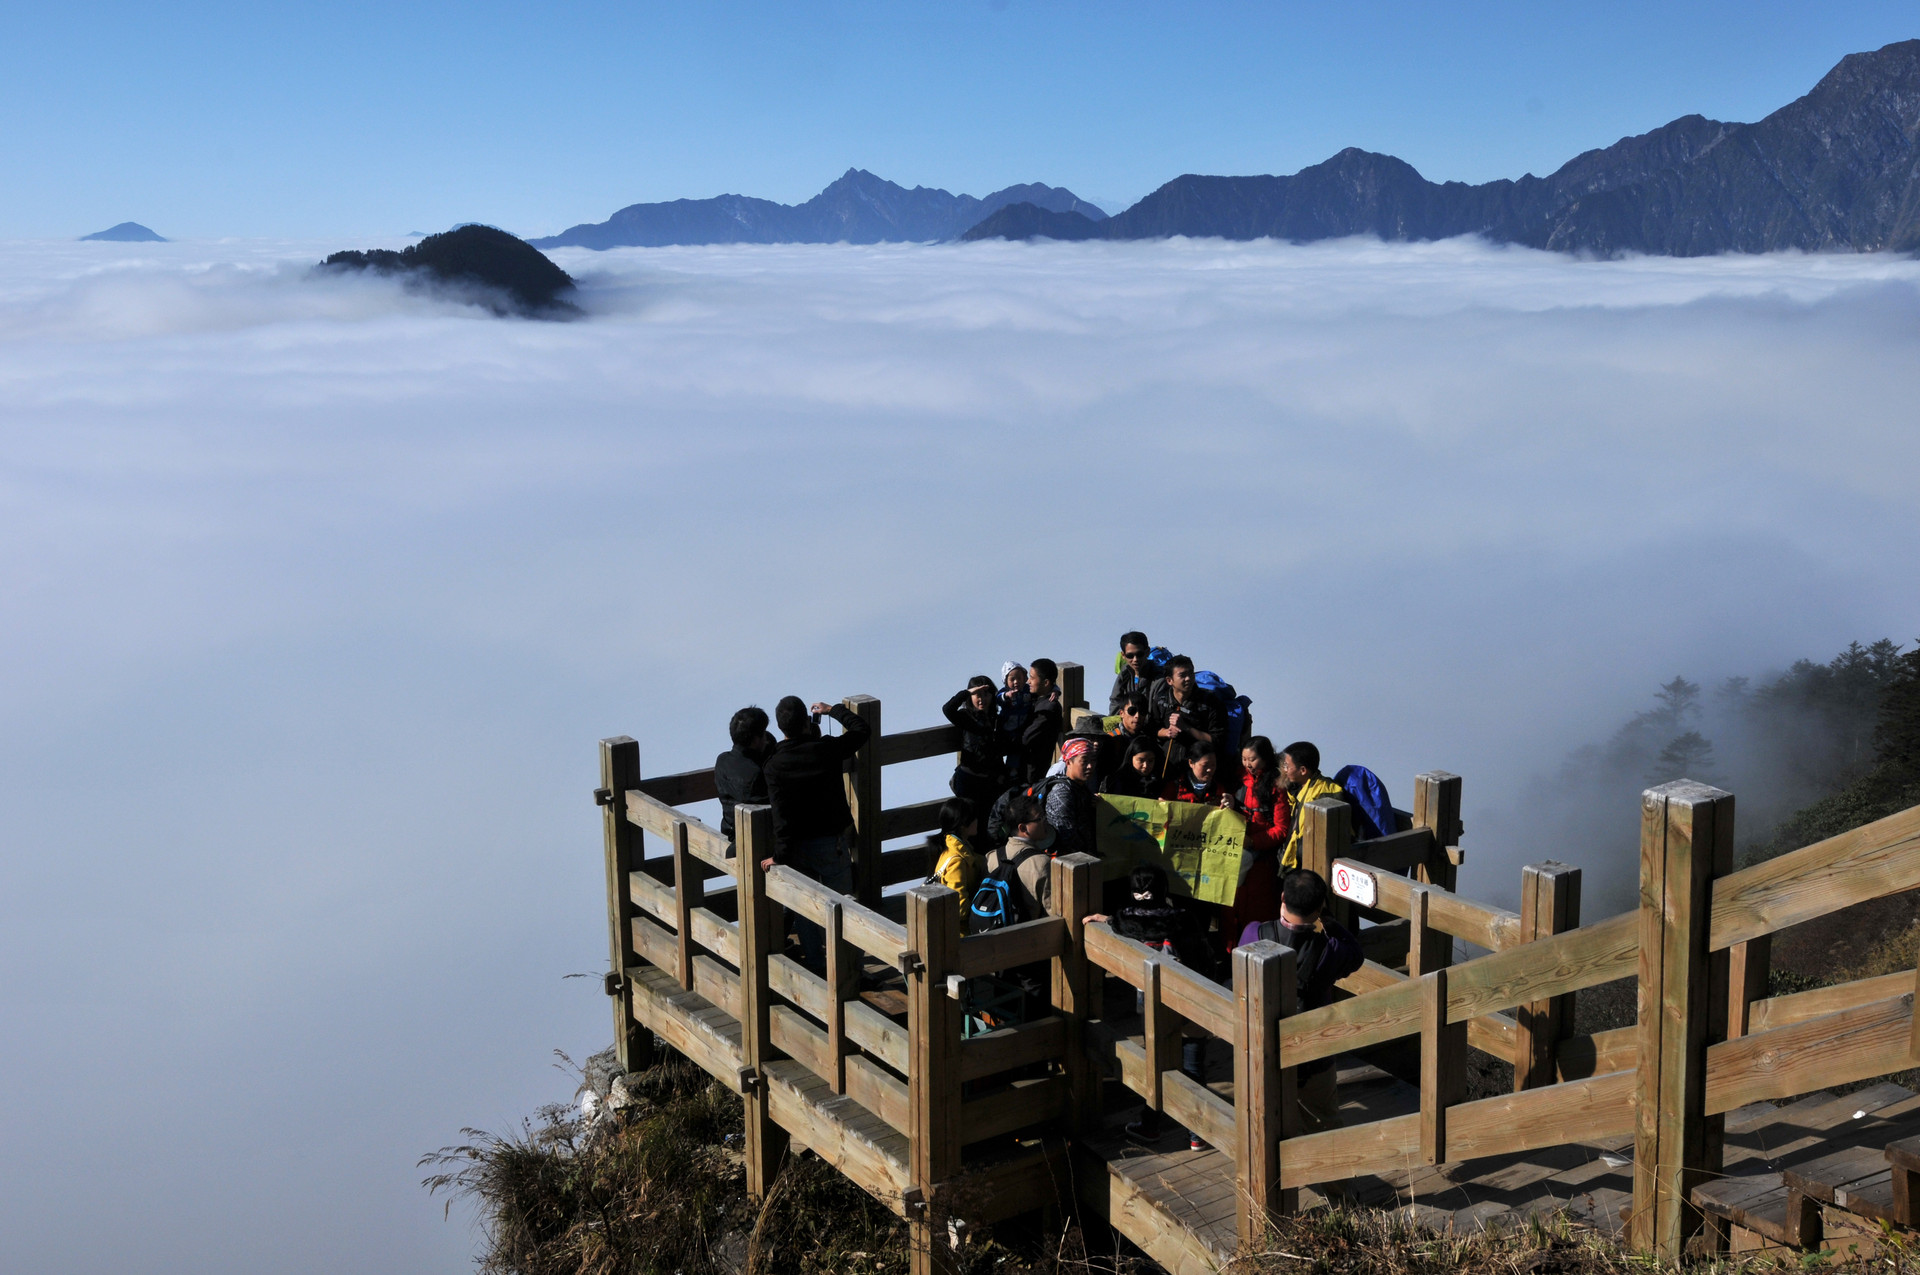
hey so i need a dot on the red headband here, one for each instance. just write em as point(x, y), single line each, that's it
point(1075, 747)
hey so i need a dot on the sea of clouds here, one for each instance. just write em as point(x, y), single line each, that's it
point(320, 592)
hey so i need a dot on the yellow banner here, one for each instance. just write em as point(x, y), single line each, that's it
point(1199, 846)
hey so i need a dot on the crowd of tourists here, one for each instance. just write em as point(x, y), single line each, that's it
point(1025, 791)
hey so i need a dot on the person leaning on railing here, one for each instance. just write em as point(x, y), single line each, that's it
point(810, 812)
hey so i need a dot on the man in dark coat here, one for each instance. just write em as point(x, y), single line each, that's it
point(1324, 953)
point(737, 773)
point(975, 712)
point(1044, 727)
point(1137, 673)
point(1179, 712)
point(810, 813)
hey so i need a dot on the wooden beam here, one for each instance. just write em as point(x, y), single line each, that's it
point(1337, 1154)
point(1870, 862)
point(688, 893)
point(1199, 1109)
point(657, 817)
point(619, 771)
point(1395, 852)
point(1591, 1110)
point(879, 1091)
point(1436, 807)
point(1075, 893)
point(1493, 928)
point(1162, 1045)
point(1784, 1011)
point(1373, 1019)
point(1326, 831)
point(1443, 1065)
point(1570, 962)
point(933, 1076)
point(1582, 1057)
point(842, 984)
point(682, 789)
point(905, 821)
point(1549, 905)
point(1263, 991)
point(1010, 1047)
point(718, 984)
point(1852, 1044)
point(1073, 689)
point(1018, 1105)
point(1016, 945)
point(1747, 969)
point(863, 797)
point(765, 1141)
point(1686, 838)
point(914, 745)
point(721, 937)
point(878, 1035)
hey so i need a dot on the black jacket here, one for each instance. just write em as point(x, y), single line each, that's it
point(805, 785)
point(1037, 741)
point(740, 781)
point(1167, 922)
point(1200, 712)
point(1127, 682)
point(979, 735)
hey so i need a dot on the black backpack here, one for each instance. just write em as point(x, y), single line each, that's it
point(997, 828)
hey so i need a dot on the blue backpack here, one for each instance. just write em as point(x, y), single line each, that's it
point(1232, 704)
point(994, 905)
point(1372, 811)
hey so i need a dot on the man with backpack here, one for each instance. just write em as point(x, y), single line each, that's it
point(1070, 807)
point(810, 814)
point(1324, 953)
point(1300, 772)
point(1179, 712)
point(1023, 867)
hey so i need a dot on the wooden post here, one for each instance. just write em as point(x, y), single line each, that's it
point(1427, 948)
point(689, 892)
point(1327, 834)
point(1443, 1065)
point(1549, 905)
point(1162, 1036)
point(1748, 964)
point(1436, 806)
point(1686, 839)
point(1073, 689)
point(1263, 986)
point(863, 796)
point(1075, 893)
point(766, 1141)
point(843, 983)
point(619, 771)
point(933, 1071)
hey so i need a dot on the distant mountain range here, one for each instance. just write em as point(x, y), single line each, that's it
point(125, 232)
point(1836, 169)
point(858, 208)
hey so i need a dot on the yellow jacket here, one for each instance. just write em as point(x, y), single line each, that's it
point(961, 867)
point(1312, 790)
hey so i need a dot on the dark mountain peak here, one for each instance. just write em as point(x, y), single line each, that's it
point(1030, 221)
point(125, 232)
point(510, 275)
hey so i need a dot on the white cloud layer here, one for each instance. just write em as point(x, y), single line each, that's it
point(320, 592)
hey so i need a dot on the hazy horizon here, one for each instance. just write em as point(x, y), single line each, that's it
point(323, 591)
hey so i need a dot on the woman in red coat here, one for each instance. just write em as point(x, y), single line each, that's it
point(1263, 800)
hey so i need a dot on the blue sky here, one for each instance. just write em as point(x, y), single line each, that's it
point(302, 119)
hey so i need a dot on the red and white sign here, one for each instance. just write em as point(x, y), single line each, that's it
point(1350, 882)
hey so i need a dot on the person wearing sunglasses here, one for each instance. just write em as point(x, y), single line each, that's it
point(1137, 670)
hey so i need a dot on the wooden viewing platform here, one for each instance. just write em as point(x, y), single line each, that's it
point(1668, 1132)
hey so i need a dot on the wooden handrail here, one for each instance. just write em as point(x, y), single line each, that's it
point(1833, 1049)
point(682, 789)
point(1784, 1011)
point(1013, 946)
point(1488, 926)
point(1569, 962)
point(653, 815)
point(1194, 997)
point(904, 821)
point(913, 745)
point(1870, 862)
point(864, 928)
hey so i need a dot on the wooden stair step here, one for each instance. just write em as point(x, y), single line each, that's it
point(1765, 1205)
point(1856, 1179)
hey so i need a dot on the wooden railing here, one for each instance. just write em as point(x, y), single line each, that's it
point(1707, 1039)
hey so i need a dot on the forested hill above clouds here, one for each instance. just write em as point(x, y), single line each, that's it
point(858, 208)
point(1836, 169)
